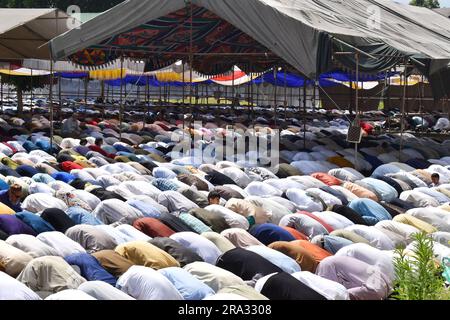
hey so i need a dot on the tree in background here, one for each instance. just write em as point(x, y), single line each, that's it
point(431, 4)
point(85, 5)
point(24, 84)
point(419, 274)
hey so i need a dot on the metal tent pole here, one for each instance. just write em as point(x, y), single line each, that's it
point(121, 97)
point(79, 88)
point(314, 95)
point(86, 84)
point(31, 92)
point(304, 113)
point(107, 95)
point(351, 97)
point(184, 86)
point(1, 91)
point(285, 96)
point(112, 94)
point(147, 98)
point(251, 95)
point(421, 94)
point(191, 59)
point(105, 102)
point(258, 102)
point(299, 102)
point(275, 98)
point(406, 97)
point(291, 98)
point(165, 93)
point(52, 124)
point(9, 87)
point(357, 104)
point(226, 94)
point(160, 101)
point(233, 91)
point(102, 92)
point(60, 98)
point(138, 93)
point(402, 126)
point(51, 105)
point(448, 106)
point(196, 101)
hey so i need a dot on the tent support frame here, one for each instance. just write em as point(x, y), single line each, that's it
point(121, 98)
point(1, 89)
point(304, 114)
point(52, 130)
point(275, 96)
point(147, 97)
point(60, 98)
point(402, 124)
point(285, 96)
point(31, 91)
point(357, 104)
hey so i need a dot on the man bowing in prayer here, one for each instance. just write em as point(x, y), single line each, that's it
point(214, 199)
point(12, 197)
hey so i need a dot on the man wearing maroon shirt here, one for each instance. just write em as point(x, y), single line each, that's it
point(98, 148)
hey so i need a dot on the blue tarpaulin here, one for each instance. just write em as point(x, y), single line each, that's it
point(142, 81)
point(290, 80)
point(72, 75)
point(343, 76)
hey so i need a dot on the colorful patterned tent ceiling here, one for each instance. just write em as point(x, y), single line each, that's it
point(167, 39)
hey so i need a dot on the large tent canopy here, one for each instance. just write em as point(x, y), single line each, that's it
point(259, 34)
point(25, 33)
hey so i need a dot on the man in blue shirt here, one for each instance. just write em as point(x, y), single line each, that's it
point(12, 197)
